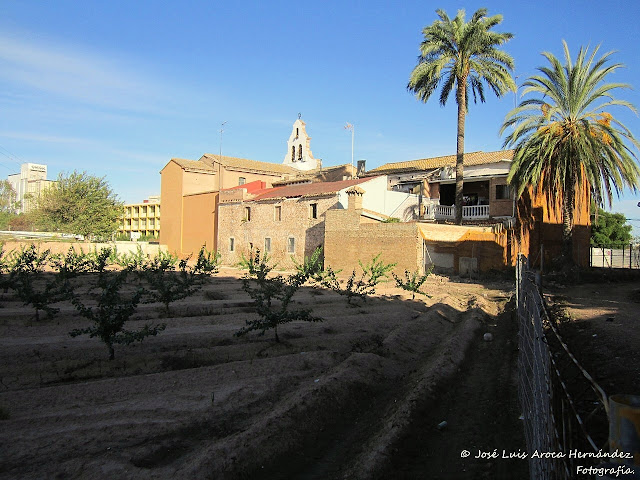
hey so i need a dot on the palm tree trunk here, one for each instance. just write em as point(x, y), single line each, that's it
point(461, 99)
point(567, 225)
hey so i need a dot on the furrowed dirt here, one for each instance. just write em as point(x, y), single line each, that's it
point(336, 399)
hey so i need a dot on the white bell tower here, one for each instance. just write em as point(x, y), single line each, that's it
point(299, 154)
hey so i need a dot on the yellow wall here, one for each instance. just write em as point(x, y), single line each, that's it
point(199, 222)
point(171, 201)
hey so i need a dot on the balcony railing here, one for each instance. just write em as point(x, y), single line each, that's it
point(446, 212)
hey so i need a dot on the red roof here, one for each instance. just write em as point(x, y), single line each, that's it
point(251, 187)
point(309, 189)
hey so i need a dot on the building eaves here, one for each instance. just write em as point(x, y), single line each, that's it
point(310, 189)
point(193, 165)
point(470, 159)
point(247, 165)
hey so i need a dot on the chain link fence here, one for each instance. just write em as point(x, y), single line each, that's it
point(616, 256)
point(565, 412)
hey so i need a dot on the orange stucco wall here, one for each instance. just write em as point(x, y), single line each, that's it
point(171, 195)
point(199, 224)
point(540, 228)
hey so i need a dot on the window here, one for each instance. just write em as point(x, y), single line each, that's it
point(277, 213)
point(313, 210)
point(232, 244)
point(247, 214)
point(291, 245)
point(242, 180)
point(267, 245)
point(503, 192)
point(299, 152)
point(293, 153)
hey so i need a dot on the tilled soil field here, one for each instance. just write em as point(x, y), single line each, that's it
point(333, 399)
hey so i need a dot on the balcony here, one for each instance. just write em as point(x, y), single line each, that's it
point(446, 212)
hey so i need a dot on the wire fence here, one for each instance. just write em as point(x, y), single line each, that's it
point(565, 412)
point(617, 256)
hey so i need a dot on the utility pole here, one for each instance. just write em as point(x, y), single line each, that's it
point(220, 157)
point(349, 126)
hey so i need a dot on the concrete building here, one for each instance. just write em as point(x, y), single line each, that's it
point(29, 184)
point(289, 221)
point(141, 219)
point(486, 193)
point(190, 189)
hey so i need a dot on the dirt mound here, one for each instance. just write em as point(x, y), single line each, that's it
point(198, 402)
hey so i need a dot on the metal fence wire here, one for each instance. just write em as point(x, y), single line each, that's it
point(565, 412)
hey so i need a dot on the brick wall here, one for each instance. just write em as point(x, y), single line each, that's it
point(295, 223)
point(347, 241)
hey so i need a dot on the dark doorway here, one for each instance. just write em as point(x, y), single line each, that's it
point(447, 194)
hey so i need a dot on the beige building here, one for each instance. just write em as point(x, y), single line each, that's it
point(141, 219)
point(29, 184)
point(283, 222)
point(190, 189)
point(486, 193)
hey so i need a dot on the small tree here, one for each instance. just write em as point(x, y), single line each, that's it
point(100, 260)
point(412, 281)
point(165, 284)
point(372, 274)
point(70, 266)
point(272, 296)
point(114, 308)
point(79, 203)
point(27, 279)
point(207, 263)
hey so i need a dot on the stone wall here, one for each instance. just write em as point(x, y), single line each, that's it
point(295, 223)
point(348, 241)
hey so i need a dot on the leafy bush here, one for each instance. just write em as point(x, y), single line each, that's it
point(114, 308)
point(27, 279)
point(166, 285)
point(271, 295)
point(412, 281)
point(208, 262)
point(372, 274)
point(134, 261)
point(99, 261)
point(70, 265)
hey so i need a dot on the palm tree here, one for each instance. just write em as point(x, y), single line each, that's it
point(567, 143)
point(462, 55)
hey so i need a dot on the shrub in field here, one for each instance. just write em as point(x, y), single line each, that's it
point(70, 265)
point(114, 308)
point(165, 284)
point(272, 296)
point(134, 261)
point(4, 269)
point(412, 281)
point(311, 267)
point(100, 260)
point(207, 263)
point(28, 280)
point(372, 274)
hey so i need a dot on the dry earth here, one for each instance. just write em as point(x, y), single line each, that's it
point(358, 395)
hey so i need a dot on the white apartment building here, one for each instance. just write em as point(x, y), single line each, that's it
point(29, 184)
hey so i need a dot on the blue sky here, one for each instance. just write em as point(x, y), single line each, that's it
point(118, 88)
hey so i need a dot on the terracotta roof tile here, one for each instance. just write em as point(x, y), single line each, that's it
point(193, 164)
point(470, 159)
point(244, 163)
point(309, 189)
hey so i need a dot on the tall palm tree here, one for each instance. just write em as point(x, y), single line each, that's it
point(462, 55)
point(566, 140)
